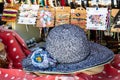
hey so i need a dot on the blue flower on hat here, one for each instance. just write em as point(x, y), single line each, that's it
point(41, 58)
point(37, 58)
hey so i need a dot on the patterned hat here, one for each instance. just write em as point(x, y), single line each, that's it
point(70, 52)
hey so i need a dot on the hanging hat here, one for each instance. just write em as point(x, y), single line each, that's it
point(67, 51)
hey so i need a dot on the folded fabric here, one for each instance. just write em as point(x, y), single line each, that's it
point(9, 19)
point(8, 14)
point(8, 9)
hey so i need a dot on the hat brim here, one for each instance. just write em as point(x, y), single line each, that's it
point(99, 55)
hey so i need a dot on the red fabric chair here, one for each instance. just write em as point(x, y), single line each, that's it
point(15, 47)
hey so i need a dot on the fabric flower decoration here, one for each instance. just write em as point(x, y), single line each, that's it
point(42, 59)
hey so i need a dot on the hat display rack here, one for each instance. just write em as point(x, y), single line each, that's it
point(84, 4)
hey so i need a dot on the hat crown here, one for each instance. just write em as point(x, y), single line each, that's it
point(67, 44)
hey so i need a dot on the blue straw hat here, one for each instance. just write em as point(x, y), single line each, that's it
point(67, 51)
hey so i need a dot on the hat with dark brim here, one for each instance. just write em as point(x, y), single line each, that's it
point(70, 51)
